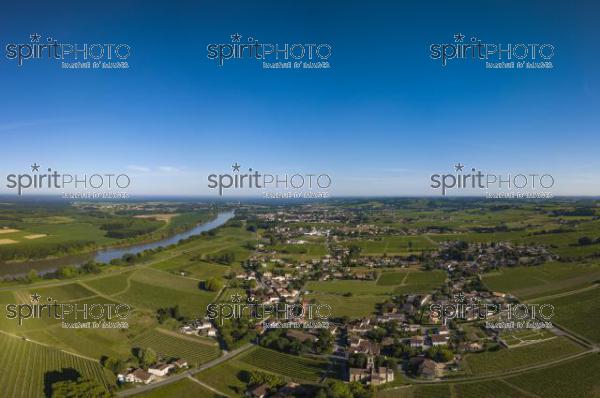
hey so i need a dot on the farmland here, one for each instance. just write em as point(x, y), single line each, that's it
point(578, 312)
point(543, 280)
point(572, 378)
point(513, 358)
point(576, 378)
point(181, 388)
point(32, 364)
point(167, 345)
point(393, 245)
point(286, 365)
point(226, 377)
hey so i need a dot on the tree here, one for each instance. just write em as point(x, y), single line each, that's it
point(32, 276)
point(81, 388)
point(147, 357)
point(213, 284)
point(584, 241)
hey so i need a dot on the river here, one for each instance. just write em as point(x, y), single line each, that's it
point(106, 255)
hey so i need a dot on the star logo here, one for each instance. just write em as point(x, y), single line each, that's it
point(35, 38)
point(459, 37)
point(35, 298)
point(236, 298)
point(236, 37)
point(459, 298)
point(35, 167)
point(236, 167)
point(459, 167)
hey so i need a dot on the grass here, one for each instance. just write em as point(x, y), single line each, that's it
point(290, 366)
point(514, 358)
point(153, 296)
point(576, 378)
point(487, 389)
point(542, 280)
point(30, 368)
point(111, 284)
point(578, 312)
point(392, 278)
point(353, 307)
point(62, 293)
point(392, 245)
point(355, 287)
point(416, 282)
point(225, 377)
point(181, 388)
point(195, 353)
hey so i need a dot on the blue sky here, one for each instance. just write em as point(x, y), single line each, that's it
point(380, 121)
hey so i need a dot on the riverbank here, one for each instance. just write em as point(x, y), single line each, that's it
point(45, 266)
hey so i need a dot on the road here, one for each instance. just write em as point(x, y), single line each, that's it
point(183, 375)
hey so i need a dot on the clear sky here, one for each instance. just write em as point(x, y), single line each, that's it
point(380, 121)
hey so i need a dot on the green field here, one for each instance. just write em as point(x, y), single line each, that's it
point(576, 378)
point(225, 377)
point(487, 389)
point(62, 293)
point(415, 282)
point(392, 245)
point(514, 358)
point(570, 379)
point(111, 284)
point(167, 345)
point(181, 388)
point(578, 312)
point(294, 367)
point(152, 296)
point(542, 280)
point(353, 307)
point(27, 365)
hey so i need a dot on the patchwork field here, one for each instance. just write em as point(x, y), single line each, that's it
point(392, 245)
point(407, 282)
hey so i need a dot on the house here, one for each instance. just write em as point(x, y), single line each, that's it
point(139, 376)
point(428, 369)
point(416, 342)
point(300, 335)
point(291, 389)
point(383, 375)
point(443, 331)
point(357, 374)
point(211, 332)
point(371, 374)
point(437, 340)
point(259, 391)
point(181, 363)
point(367, 347)
point(160, 369)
